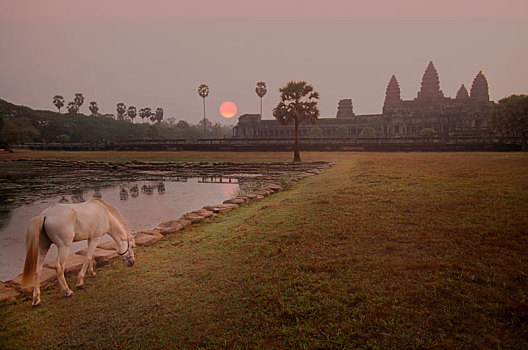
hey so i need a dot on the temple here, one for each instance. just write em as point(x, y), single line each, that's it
point(431, 111)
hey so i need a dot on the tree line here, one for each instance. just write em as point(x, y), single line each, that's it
point(123, 113)
point(19, 124)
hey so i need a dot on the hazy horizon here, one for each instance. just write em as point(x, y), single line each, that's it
point(157, 55)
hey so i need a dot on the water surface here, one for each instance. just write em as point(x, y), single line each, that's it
point(143, 204)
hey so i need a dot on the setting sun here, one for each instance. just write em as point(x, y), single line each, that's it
point(228, 109)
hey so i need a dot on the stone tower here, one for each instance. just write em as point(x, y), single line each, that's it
point(345, 109)
point(392, 94)
point(462, 93)
point(430, 89)
point(479, 89)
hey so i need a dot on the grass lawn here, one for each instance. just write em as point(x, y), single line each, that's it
point(384, 250)
point(187, 156)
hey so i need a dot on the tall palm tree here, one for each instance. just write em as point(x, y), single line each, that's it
point(78, 100)
point(94, 108)
point(147, 112)
point(203, 91)
point(58, 101)
point(159, 114)
point(121, 110)
point(72, 107)
point(261, 92)
point(298, 104)
point(132, 113)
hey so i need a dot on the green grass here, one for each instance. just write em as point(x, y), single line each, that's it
point(187, 156)
point(405, 250)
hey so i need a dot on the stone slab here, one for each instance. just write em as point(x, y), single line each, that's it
point(273, 187)
point(169, 227)
point(262, 192)
point(234, 201)
point(204, 212)
point(47, 275)
point(7, 292)
point(110, 245)
point(101, 256)
point(142, 239)
point(184, 222)
point(74, 263)
point(154, 232)
point(194, 218)
point(104, 256)
point(221, 208)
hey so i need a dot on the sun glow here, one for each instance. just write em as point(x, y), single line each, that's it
point(228, 109)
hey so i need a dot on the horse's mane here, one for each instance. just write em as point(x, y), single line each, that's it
point(113, 210)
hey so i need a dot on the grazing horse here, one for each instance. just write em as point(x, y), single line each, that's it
point(63, 224)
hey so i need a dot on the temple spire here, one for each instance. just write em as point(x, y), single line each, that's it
point(392, 94)
point(430, 88)
point(345, 108)
point(480, 89)
point(462, 93)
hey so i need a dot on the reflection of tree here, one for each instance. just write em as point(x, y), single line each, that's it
point(134, 191)
point(64, 200)
point(97, 193)
point(148, 190)
point(214, 179)
point(161, 187)
point(123, 194)
point(77, 196)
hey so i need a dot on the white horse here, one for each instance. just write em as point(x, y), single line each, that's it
point(63, 224)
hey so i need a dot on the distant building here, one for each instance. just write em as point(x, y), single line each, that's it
point(466, 114)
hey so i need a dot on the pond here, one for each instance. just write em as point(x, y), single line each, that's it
point(144, 204)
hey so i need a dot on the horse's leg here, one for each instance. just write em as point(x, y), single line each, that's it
point(44, 244)
point(87, 261)
point(61, 262)
point(91, 268)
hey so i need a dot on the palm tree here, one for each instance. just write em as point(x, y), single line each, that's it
point(72, 108)
point(78, 100)
point(203, 91)
point(148, 112)
point(159, 114)
point(298, 104)
point(142, 114)
point(261, 92)
point(94, 108)
point(58, 101)
point(132, 113)
point(121, 110)
point(145, 113)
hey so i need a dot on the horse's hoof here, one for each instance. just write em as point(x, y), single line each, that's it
point(36, 302)
point(80, 286)
point(68, 294)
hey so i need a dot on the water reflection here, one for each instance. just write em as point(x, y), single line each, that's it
point(78, 196)
point(123, 194)
point(216, 179)
point(161, 188)
point(97, 192)
point(134, 191)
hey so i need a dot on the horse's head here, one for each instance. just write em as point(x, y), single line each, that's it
point(128, 254)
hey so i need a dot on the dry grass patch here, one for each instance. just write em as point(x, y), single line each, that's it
point(381, 251)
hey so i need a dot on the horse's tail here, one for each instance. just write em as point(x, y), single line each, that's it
point(32, 244)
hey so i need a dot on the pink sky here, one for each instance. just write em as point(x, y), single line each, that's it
point(156, 53)
point(247, 9)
